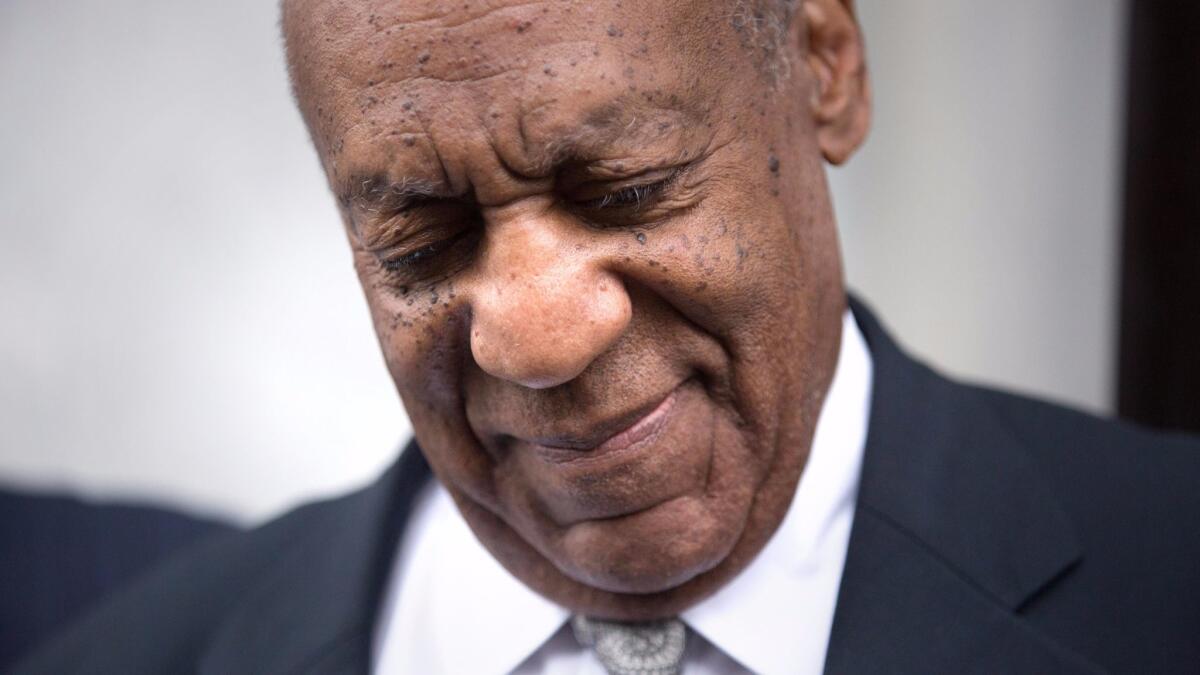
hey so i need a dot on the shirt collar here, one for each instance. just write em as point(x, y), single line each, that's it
point(453, 587)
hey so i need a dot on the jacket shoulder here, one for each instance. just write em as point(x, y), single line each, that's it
point(60, 554)
point(1102, 464)
point(162, 621)
point(1133, 599)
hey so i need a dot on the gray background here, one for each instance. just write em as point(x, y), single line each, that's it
point(181, 321)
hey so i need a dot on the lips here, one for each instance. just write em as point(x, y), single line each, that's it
point(627, 432)
point(630, 463)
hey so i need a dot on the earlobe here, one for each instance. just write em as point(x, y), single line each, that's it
point(841, 92)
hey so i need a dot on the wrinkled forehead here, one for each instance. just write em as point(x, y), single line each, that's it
point(549, 74)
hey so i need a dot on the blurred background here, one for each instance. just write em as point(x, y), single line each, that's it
point(180, 322)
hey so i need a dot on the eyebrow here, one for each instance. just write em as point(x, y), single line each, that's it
point(377, 192)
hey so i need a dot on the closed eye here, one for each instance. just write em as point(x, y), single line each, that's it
point(413, 258)
point(435, 259)
point(629, 196)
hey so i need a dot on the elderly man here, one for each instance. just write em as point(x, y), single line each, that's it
point(601, 258)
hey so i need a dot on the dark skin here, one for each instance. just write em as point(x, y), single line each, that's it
point(599, 251)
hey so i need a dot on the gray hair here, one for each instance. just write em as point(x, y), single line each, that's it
point(763, 27)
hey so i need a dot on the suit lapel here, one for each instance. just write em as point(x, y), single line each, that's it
point(953, 533)
point(903, 610)
point(315, 610)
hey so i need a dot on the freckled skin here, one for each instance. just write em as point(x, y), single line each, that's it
point(529, 290)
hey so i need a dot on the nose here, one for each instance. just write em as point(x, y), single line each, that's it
point(544, 307)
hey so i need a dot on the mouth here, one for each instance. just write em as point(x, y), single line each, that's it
point(628, 432)
point(625, 465)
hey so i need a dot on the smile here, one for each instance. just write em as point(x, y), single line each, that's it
point(626, 433)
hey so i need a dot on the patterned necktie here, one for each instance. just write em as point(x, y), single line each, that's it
point(650, 648)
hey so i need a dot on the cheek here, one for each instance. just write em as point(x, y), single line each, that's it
point(421, 333)
point(743, 280)
point(730, 274)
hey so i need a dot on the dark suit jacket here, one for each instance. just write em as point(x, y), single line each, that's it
point(59, 555)
point(994, 534)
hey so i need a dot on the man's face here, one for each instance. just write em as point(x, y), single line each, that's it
point(597, 245)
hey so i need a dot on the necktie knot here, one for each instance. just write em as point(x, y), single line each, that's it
point(646, 648)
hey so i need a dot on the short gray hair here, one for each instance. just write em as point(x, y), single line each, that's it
point(763, 27)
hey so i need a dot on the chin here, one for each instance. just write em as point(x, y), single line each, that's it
point(645, 532)
point(649, 552)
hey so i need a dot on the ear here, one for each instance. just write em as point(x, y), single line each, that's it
point(841, 94)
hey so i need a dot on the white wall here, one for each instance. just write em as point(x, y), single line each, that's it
point(180, 320)
point(981, 216)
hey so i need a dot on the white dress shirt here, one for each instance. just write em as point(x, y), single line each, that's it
point(451, 608)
